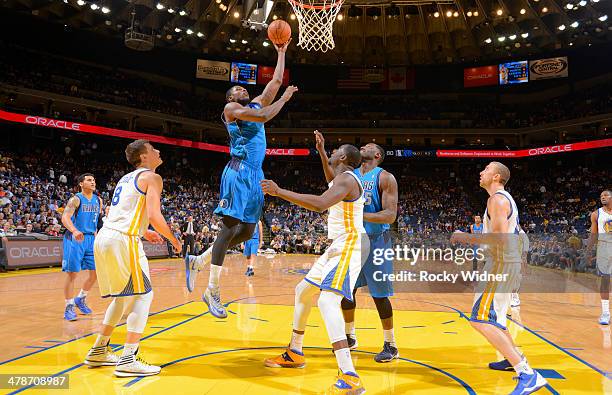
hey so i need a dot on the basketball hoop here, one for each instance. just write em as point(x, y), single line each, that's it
point(316, 21)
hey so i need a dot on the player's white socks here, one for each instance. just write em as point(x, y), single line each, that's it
point(297, 341)
point(349, 328)
point(203, 258)
point(523, 367)
point(82, 293)
point(101, 340)
point(345, 363)
point(70, 301)
point(389, 336)
point(129, 349)
point(213, 278)
point(605, 305)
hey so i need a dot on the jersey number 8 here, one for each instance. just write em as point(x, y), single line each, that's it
point(116, 196)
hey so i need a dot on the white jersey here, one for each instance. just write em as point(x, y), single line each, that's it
point(512, 250)
point(346, 217)
point(127, 212)
point(604, 226)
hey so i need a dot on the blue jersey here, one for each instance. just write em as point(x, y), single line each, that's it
point(85, 218)
point(247, 139)
point(477, 229)
point(373, 198)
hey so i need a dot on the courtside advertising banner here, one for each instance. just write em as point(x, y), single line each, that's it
point(480, 76)
point(211, 70)
point(265, 74)
point(543, 69)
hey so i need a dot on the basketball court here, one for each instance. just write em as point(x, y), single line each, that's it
point(440, 352)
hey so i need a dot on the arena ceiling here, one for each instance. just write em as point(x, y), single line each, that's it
point(369, 32)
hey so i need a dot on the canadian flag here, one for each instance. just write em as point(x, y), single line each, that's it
point(397, 79)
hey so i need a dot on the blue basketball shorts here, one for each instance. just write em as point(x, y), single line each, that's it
point(78, 255)
point(371, 273)
point(250, 247)
point(241, 196)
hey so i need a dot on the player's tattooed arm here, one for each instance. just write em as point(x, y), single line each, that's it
point(71, 207)
point(388, 214)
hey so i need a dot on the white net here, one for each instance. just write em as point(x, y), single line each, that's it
point(316, 22)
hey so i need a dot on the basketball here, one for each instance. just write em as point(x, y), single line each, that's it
point(279, 32)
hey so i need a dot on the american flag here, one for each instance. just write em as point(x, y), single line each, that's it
point(354, 81)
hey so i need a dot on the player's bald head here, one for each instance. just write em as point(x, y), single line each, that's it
point(353, 156)
point(503, 171)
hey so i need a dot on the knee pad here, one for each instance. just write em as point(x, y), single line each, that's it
point(329, 304)
point(139, 314)
point(383, 305)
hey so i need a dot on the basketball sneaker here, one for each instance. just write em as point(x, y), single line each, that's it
point(528, 383)
point(515, 301)
point(80, 303)
point(101, 356)
point(212, 298)
point(604, 319)
point(193, 264)
point(134, 366)
point(288, 359)
point(504, 365)
point(249, 272)
point(346, 384)
point(69, 314)
point(388, 353)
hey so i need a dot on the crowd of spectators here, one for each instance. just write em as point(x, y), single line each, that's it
point(555, 197)
point(110, 85)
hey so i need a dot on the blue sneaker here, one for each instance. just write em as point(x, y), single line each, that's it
point(528, 383)
point(80, 303)
point(388, 353)
point(69, 314)
point(249, 272)
point(190, 271)
point(604, 319)
point(504, 366)
point(213, 299)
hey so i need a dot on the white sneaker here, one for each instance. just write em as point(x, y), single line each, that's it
point(515, 301)
point(101, 356)
point(604, 319)
point(134, 366)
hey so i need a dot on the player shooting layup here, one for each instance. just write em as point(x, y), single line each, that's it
point(241, 199)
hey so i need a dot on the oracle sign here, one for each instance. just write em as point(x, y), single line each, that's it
point(52, 123)
point(555, 149)
point(480, 76)
point(26, 251)
point(266, 73)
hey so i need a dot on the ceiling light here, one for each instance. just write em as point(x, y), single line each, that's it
point(455, 14)
point(171, 10)
point(340, 17)
point(200, 34)
point(80, 2)
point(603, 18)
point(545, 9)
point(436, 14)
point(522, 11)
point(232, 40)
point(469, 13)
point(582, 3)
point(182, 12)
point(160, 6)
point(595, 1)
point(189, 31)
point(292, 17)
point(475, 13)
point(569, 6)
point(449, 13)
point(274, 17)
point(105, 10)
point(500, 12)
point(501, 39)
point(94, 6)
point(266, 44)
point(244, 41)
point(561, 27)
point(571, 44)
point(525, 35)
point(488, 40)
point(236, 14)
point(575, 24)
point(177, 29)
point(512, 37)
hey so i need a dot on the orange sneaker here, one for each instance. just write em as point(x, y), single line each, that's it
point(288, 359)
point(346, 384)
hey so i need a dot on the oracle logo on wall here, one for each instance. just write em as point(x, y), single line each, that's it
point(52, 123)
point(480, 76)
